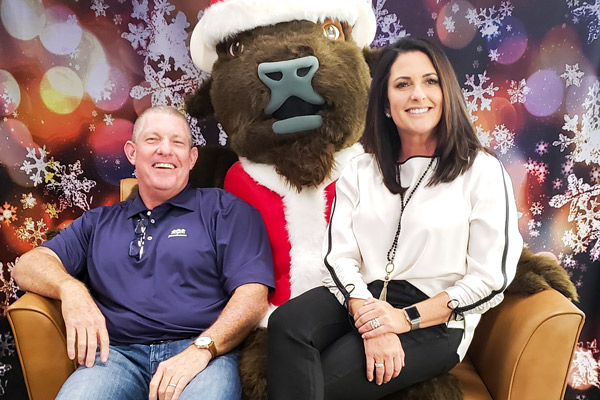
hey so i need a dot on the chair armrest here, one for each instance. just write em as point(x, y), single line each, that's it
point(523, 348)
point(39, 332)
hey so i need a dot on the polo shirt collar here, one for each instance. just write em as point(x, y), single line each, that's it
point(184, 199)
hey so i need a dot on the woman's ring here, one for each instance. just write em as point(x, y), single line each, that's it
point(378, 365)
point(375, 323)
point(172, 384)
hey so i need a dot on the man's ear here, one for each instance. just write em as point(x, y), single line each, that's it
point(130, 151)
point(193, 156)
point(372, 57)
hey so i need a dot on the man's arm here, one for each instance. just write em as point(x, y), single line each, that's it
point(240, 316)
point(41, 271)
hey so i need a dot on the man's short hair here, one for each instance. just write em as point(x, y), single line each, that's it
point(137, 127)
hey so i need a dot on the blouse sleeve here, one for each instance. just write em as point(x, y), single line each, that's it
point(494, 244)
point(340, 250)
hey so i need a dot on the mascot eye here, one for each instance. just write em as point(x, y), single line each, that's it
point(236, 48)
point(331, 32)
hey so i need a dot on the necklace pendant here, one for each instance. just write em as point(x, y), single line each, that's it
point(383, 294)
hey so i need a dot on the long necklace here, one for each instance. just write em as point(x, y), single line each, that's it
point(389, 267)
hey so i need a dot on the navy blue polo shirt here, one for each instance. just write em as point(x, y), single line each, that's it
point(199, 246)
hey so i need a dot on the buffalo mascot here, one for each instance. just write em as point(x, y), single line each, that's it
point(289, 84)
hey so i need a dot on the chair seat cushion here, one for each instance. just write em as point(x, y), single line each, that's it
point(472, 385)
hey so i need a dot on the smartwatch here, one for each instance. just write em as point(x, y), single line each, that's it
point(205, 342)
point(413, 316)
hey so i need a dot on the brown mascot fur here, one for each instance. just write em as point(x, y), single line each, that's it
point(232, 41)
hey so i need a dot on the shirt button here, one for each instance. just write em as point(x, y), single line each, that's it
point(149, 212)
point(149, 237)
point(152, 221)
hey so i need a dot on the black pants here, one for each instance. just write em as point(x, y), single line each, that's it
point(315, 353)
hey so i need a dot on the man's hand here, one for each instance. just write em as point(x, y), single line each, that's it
point(85, 324)
point(174, 374)
point(385, 357)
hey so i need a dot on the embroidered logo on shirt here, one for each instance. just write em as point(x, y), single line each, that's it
point(178, 233)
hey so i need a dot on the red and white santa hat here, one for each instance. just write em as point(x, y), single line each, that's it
point(226, 18)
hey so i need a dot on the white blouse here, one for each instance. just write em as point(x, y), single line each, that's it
point(453, 238)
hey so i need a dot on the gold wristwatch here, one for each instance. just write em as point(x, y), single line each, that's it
point(205, 342)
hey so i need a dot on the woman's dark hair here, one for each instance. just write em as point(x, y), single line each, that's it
point(457, 142)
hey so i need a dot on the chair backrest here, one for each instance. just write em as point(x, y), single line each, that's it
point(129, 188)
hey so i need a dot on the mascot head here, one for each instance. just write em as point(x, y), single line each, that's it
point(289, 79)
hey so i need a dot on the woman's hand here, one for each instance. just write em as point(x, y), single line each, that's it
point(385, 357)
point(387, 319)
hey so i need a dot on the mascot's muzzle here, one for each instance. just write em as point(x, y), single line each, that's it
point(294, 102)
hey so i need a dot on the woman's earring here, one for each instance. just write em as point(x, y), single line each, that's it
point(388, 115)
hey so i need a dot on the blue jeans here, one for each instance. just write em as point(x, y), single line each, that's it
point(129, 369)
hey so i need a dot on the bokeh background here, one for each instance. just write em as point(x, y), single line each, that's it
point(75, 74)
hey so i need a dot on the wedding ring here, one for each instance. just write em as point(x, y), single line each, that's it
point(378, 365)
point(172, 384)
point(375, 323)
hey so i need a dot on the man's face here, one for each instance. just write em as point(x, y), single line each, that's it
point(162, 156)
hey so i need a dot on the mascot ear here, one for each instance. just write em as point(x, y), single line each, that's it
point(199, 105)
point(372, 57)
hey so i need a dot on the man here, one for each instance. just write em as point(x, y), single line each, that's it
point(174, 279)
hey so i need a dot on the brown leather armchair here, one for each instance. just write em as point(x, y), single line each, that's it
point(522, 349)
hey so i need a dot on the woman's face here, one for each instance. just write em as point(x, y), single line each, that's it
point(415, 95)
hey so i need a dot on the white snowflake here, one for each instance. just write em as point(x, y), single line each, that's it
point(488, 20)
point(4, 368)
point(455, 8)
point(108, 119)
point(434, 15)
point(508, 28)
point(493, 55)
point(586, 136)
point(28, 200)
point(99, 7)
point(197, 136)
point(389, 25)
point(595, 175)
point(518, 91)
point(32, 231)
point(449, 24)
point(222, 135)
point(430, 32)
point(572, 75)
point(36, 169)
point(505, 138)
point(584, 212)
point(541, 147)
point(118, 19)
point(567, 167)
point(69, 188)
point(162, 42)
point(485, 138)
point(477, 94)
point(591, 13)
point(536, 208)
point(557, 183)
point(7, 344)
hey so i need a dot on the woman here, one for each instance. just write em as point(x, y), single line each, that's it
point(422, 240)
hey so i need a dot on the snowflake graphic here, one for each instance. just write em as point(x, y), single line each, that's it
point(118, 19)
point(197, 136)
point(595, 175)
point(488, 20)
point(537, 169)
point(389, 25)
point(557, 183)
point(572, 75)
point(69, 188)
point(449, 24)
point(28, 200)
point(99, 7)
point(4, 368)
point(584, 368)
point(52, 210)
point(455, 8)
point(584, 212)
point(518, 91)
point(591, 13)
point(434, 15)
point(430, 32)
point(38, 167)
point(505, 138)
point(493, 55)
point(477, 94)
point(8, 213)
point(485, 138)
point(108, 119)
point(587, 134)
point(222, 135)
point(541, 147)
point(32, 231)
point(533, 227)
point(9, 288)
point(162, 43)
point(7, 345)
point(475, 66)
point(536, 208)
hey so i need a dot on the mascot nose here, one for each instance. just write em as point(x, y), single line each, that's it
point(294, 102)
